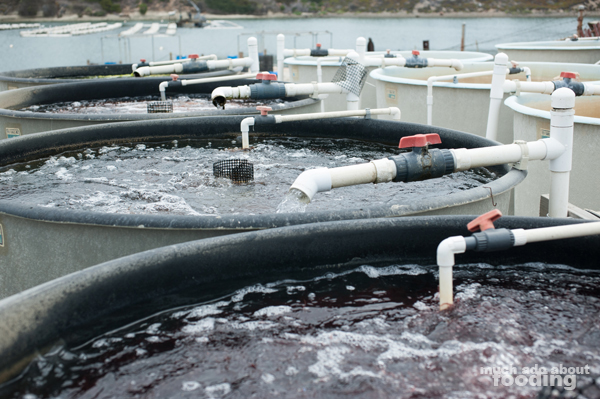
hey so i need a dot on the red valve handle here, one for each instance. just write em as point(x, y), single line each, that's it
point(266, 76)
point(419, 140)
point(175, 77)
point(193, 56)
point(484, 221)
point(415, 52)
point(264, 110)
point(318, 45)
point(570, 75)
point(142, 59)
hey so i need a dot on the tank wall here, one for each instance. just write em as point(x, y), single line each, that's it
point(584, 188)
point(460, 109)
point(586, 56)
point(64, 248)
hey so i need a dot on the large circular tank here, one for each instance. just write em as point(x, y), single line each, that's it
point(304, 70)
point(532, 122)
point(582, 51)
point(11, 80)
point(463, 105)
point(104, 328)
point(16, 122)
point(70, 240)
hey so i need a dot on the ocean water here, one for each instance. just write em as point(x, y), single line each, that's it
point(443, 33)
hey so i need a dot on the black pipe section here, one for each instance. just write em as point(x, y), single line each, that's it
point(515, 70)
point(194, 67)
point(319, 52)
point(416, 62)
point(260, 120)
point(577, 87)
point(422, 163)
point(491, 240)
point(174, 83)
point(267, 90)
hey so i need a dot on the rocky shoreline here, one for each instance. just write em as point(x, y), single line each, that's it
point(164, 16)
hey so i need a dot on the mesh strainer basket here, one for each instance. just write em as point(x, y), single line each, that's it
point(160, 107)
point(351, 76)
point(238, 170)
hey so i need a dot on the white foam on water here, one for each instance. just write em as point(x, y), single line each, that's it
point(189, 386)
point(199, 327)
point(258, 288)
point(201, 311)
point(254, 325)
point(272, 311)
point(218, 391)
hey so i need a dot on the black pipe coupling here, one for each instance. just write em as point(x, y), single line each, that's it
point(568, 82)
point(491, 240)
point(319, 52)
point(415, 61)
point(194, 66)
point(515, 70)
point(422, 163)
point(264, 118)
point(142, 63)
point(268, 89)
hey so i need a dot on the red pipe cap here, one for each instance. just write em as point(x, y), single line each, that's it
point(419, 140)
point(266, 76)
point(174, 76)
point(570, 75)
point(142, 59)
point(415, 52)
point(193, 56)
point(264, 110)
point(484, 221)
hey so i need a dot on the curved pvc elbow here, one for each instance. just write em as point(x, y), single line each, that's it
point(448, 248)
point(142, 71)
point(162, 87)
point(313, 181)
point(456, 64)
point(220, 95)
point(395, 112)
point(245, 128)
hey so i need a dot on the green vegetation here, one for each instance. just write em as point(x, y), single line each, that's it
point(29, 8)
point(231, 6)
point(143, 8)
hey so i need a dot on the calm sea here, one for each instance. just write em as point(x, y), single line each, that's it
point(388, 33)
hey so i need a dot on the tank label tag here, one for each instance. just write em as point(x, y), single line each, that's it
point(545, 133)
point(12, 132)
point(391, 95)
point(1, 237)
point(12, 87)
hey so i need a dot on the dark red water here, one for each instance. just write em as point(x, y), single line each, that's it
point(369, 333)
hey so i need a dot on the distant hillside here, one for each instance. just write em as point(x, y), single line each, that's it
point(100, 8)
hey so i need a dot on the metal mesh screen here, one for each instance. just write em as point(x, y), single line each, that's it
point(238, 170)
point(351, 76)
point(160, 107)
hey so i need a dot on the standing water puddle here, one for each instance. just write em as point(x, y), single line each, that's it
point(139, 105)
point(368, 332)
point(177, 178)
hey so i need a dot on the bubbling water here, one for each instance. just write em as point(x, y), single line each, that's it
point(295, 201)
point(177, 178)
point(368, 332)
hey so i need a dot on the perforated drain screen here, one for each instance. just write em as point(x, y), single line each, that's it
point(351, 76)
point(160, 107)
point(238, 170)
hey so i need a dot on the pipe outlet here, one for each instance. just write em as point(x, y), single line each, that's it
point(313, 181)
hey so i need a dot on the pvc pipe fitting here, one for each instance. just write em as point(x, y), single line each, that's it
point(253, 54)
point(280, 56)
point(445, 260)
point(245, 128)
point(496, 95)
point(313, 181)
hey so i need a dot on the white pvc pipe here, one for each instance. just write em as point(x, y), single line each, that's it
point(187, 82)
point(561, 232)
point(394, 111)
point(230, 63)
point(561, 129)
point(449, 63)
point(204, 57)
point(320, 75)
point(361, 48)
point(496, 95)
point(497, 155)
point(253, 54)
point(280, 56)
point(245, 128)
point(445, 260)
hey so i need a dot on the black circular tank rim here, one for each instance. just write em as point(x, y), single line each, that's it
point(52, 75)
point(44, 144)
point(38, 317)
point(126, 87)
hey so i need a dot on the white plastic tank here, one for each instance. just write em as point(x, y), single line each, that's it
point(463, 105)
point(304, 70)
point(583, 51)
point(532, 122)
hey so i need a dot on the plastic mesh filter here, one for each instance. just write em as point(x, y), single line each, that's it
point(351, 76)
point(238, 170)
point(160, 107)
